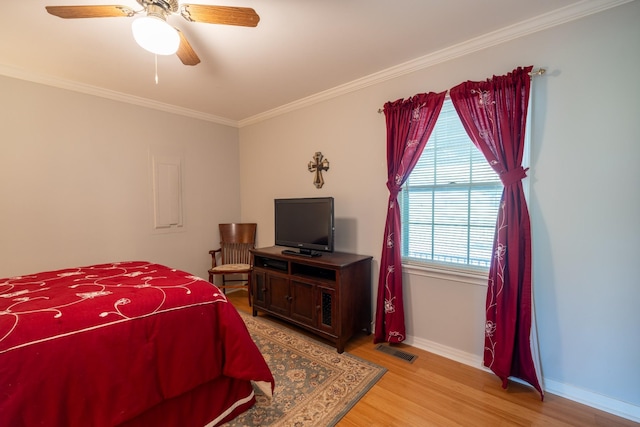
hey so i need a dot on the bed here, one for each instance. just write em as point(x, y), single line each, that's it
point(123, 344)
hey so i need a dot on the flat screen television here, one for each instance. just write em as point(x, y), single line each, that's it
point(305, 224)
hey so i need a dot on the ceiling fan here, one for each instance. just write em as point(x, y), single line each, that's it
point(155, 13)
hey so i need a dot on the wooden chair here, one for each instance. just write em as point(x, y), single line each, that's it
point(233, 256)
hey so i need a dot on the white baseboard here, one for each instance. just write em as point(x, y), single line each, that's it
point(585, 397)
point(444, 351)
point(595, 400)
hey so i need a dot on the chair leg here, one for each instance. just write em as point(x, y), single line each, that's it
point(222, 288)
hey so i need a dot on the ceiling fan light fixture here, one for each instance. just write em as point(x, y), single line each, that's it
point(155, 35)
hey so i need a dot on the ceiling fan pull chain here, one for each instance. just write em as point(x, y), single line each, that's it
point(156, 56)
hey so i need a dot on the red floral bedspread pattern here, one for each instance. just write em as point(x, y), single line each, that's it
point(101, 344)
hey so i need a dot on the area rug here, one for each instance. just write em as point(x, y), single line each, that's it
point(315, 386)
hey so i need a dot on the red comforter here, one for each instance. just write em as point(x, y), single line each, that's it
point(100, 345)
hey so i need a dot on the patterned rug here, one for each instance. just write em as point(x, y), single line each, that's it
point(315, 386)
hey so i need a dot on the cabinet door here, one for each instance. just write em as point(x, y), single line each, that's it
point(303, 306)
point(278, 295)
point(259, 285)
point(327, 309)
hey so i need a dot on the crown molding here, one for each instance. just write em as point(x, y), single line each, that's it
point(521, 29)
point(47, 80)
point(512, 32)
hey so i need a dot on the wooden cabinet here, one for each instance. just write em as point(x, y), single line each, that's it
point(329, 295)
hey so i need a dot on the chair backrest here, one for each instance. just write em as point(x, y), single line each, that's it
point(235, 242)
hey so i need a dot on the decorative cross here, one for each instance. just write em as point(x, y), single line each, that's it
point(317, 167)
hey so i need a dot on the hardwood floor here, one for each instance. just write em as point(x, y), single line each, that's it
point(436, 391)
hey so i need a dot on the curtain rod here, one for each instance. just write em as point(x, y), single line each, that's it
point(538, 72)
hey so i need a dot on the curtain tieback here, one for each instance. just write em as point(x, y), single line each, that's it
point(513, 176)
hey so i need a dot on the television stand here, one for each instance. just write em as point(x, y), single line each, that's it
point(330, 296)
point(308, 254)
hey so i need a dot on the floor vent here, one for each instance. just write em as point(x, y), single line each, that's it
point(396, 353)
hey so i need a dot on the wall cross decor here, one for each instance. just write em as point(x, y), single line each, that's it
point(317, 165)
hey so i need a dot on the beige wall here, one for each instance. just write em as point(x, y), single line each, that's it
point(75, 181)
point(586, 235)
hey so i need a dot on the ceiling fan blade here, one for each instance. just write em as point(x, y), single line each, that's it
point(227, 15)
point(69, 12)
point(185, 52)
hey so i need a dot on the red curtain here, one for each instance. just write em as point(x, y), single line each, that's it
point(409, 125)
point(494, 114)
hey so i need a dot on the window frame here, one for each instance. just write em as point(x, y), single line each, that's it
point(435, 268)
point(464, 273)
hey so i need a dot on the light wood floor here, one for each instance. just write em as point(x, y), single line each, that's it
point(436, 391)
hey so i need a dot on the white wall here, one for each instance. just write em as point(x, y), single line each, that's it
point(585, 202)
point(76, 188)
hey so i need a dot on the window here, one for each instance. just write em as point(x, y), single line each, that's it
point(449, 203)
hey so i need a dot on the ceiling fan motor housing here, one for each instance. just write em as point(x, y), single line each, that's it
point(168, 6)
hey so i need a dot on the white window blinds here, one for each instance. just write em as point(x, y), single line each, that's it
point(450, 202)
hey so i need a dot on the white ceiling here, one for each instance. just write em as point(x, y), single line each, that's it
point(298, 50)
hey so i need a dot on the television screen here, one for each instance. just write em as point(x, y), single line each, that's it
point(305, 224)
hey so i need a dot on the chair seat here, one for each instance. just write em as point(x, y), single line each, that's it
point(231, 268)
